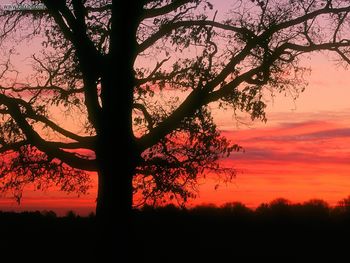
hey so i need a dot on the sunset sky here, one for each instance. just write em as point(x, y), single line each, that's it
point(302, 152)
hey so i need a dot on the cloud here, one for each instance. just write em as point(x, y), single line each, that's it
point(328, 134)
point(303, 143)
point(295, 116)
point(271, 156)
point(318, 135)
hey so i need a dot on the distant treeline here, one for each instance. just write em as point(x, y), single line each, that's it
point(315, 209)
point(279, 231)
point(279, 206)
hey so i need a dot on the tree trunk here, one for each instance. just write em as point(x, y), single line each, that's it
point(114, 202)
point(116, 170)
point(116, 151)
point(116, 155)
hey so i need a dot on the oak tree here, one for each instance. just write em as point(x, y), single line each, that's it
point(127, 90)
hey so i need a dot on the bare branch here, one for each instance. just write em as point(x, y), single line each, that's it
point(154, 71)
point(103, 8)
point(5, 147)
point(86, 52)
point(61, 90)
point(30, 113)
point(306, 17)
point(36, 140)
point(168, 28)
point(342, 55)
point(149, 13)
point(146, 114)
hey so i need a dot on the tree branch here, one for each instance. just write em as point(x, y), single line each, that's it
point(86, 142)
point(306, 17)
point(154, 71)
point(47, 88)
point(149, 13)
point(66, 145)
point(12, 146)
point(31, 135)
point(316, 47)
point(53, 8)
point(89, 58)
point(168, 28)
point(342, 55)
point(188, 107)
point(201, 97)
point(146, 114)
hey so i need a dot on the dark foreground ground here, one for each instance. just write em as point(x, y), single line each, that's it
point(205, 234)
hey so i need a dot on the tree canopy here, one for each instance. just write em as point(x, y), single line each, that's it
point(188, 59)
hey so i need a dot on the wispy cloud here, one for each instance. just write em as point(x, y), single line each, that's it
point(304, 142)
point(298, 159)
point(307, 136)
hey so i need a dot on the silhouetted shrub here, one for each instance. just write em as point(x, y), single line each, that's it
point(169, 208)
point(207, 209)
point(71, 214)
point(342, 210)
point(262, 209)
point(91, 215)
point(236, 209)
point(345, 202)
point(314, 209)
point(49, 214)
point(344, 205)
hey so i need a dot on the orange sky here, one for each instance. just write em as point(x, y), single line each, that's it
point(297, 161)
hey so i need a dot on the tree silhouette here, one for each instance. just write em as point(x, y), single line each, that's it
point(138, 83)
